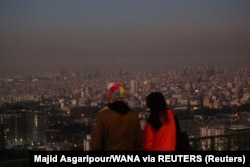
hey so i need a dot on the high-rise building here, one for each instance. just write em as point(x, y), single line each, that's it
point(212, 131)
point(14, 127)
point(133, 86)
point(82, 91)
point(206, 101)
point(36, 122)
point(87, 143)
point(187, 86)
point(148, 87)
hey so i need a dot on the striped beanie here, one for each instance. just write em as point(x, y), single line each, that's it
point(116, 91)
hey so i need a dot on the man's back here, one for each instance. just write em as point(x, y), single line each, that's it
point(116, 128)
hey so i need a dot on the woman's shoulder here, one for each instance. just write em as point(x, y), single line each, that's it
point(170, 111)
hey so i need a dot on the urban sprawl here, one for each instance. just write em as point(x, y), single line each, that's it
point(55, 111)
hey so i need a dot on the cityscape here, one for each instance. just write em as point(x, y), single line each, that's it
point(55, 111)
point(57, 59)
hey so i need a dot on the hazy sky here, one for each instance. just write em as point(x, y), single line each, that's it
point(128, 34)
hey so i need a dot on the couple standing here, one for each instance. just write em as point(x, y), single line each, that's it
point(117, 127)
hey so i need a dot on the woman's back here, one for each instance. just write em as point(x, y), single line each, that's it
point(162, 139)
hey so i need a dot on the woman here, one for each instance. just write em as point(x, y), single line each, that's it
point(161, 127)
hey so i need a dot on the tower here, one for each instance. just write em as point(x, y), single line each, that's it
point(82, 91)
point(14, 126)
point(133, 86)
point(36, 120)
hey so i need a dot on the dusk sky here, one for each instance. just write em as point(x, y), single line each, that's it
point(49, 35)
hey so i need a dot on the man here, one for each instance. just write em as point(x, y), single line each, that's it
point(116, 127)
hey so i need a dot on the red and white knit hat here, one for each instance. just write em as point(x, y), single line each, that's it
point(116, 91)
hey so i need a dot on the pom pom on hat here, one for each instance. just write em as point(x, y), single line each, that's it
point(116, 91)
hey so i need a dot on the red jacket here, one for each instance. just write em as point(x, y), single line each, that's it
point(162, 140)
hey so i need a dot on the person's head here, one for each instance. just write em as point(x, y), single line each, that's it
point(157, 105)
point(116, 92)
point(156, 101)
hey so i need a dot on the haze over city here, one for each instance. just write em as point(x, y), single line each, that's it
point(130, 35)
point(59, 57)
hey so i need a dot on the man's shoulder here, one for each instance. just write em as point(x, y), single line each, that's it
point(103, 109)
point(102, 113)
point(133, 113)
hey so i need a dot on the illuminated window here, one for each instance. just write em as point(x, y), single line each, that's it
point(35, 120)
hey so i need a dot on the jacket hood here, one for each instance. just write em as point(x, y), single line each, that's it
point(119, 106)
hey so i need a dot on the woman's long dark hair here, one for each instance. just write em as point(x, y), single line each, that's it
point(157, 105)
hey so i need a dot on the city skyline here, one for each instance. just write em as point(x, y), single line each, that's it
point(130, 35)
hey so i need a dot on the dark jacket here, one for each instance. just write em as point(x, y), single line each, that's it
point(116, 128)
point(182, 141)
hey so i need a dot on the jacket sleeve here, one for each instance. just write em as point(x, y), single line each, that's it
point(148, 137)
point(97, 135)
